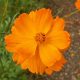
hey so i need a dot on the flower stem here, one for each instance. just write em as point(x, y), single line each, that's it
point(72, 13)
point(59, 11)
point(5, 12)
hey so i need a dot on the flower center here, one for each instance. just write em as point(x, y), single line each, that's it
point(40, 37)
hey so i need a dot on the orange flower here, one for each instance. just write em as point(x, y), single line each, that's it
point(77, 4)
point(36, 41)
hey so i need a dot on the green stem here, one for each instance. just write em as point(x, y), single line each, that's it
point(72, 13)
point(11, 23)
point(4, 13)
point(59, 11)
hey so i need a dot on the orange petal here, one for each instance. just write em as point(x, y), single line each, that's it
point(16, 33)
point(58, 24)
point(21, 55)
point(49, 54)
point(19, 43)
point(77, 4)
point(24, 24)
point(48, 71)
point(34, 64)
point(15, 57)
point(36, 21)
point(11, 43)
point(44, 20)
point(56, 67)
point(59, 64)
point(60, 39)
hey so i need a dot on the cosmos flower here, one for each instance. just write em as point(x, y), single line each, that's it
point(77, 4)
point(37, 41)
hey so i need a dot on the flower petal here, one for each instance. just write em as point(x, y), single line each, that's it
point(59, 64)
point(49, 54)
point(56, 67)
point(34, 64)
point(58, 24)
point(20, 43)
point(24, 24)
point(21, 55)
point(36, 21)
point(77, 4)
point(44, 20)
point(60, 39)
point(49, 71)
